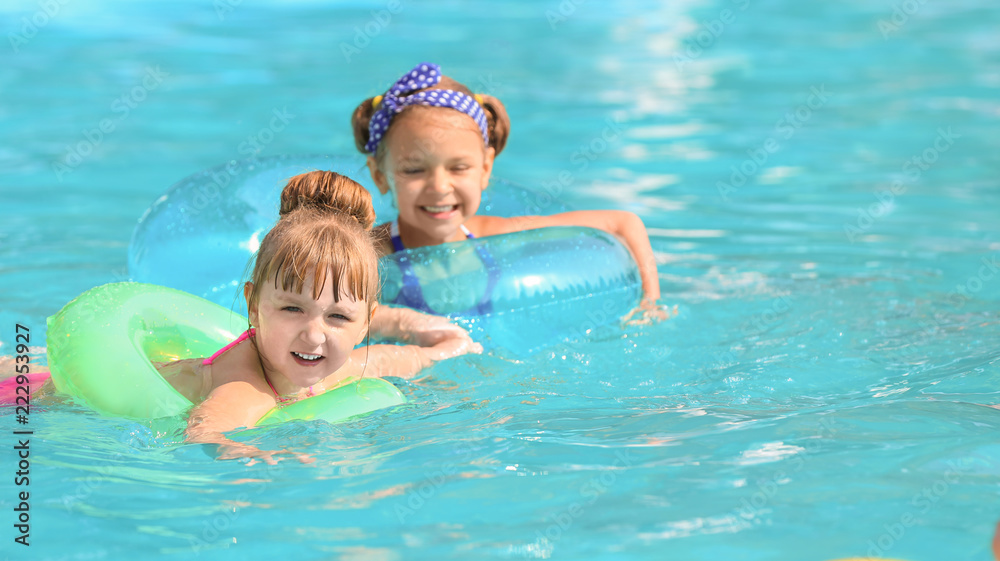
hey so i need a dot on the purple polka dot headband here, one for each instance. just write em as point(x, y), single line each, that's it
point(396, 99)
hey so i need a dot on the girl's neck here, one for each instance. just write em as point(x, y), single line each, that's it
point(284, 390)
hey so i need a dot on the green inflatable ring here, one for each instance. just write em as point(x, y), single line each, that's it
point(102, 345)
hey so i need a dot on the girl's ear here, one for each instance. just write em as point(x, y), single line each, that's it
point(377, 176)
point(487, 167)
point(251, 311)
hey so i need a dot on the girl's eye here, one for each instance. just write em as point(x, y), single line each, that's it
point(412, 171)
point(291, 309)
point(340, 317)
point(460, 168)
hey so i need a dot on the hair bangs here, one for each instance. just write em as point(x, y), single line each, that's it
point(309, 246)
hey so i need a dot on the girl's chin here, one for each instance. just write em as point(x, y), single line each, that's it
point(306, 384)
point(308, 378)
point(433, 231)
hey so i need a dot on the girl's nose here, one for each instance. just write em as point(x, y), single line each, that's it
point(315, 332)
point(440, 181)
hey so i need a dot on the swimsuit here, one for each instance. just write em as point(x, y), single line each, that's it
point(246, 335)
point(412, 296)
point(243, 337)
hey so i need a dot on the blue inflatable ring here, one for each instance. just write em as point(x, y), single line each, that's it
point(200, 235)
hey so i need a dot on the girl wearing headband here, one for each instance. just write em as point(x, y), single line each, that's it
point(431, 142)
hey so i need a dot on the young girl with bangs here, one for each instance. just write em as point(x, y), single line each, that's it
point(431, 142)
point(311, 300)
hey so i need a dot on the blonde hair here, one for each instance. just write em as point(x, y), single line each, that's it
point(325, 226)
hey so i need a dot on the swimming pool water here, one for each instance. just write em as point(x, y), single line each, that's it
point(819, 181)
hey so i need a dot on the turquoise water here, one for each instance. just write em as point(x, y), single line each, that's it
point(821, 190)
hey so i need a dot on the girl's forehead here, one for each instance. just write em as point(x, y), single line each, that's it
point(418, 137)
point(441, 117)
point(274, 289)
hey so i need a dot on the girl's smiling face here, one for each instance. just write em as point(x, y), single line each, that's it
point(437, 167)
point(305, 340)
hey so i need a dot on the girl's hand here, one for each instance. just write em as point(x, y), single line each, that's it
point(450, 348)
point(236, 450)
point(427, 330)
point(404, 361)
point(410, 326)
point(648, 312)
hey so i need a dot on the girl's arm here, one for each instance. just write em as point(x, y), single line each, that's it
point(626, 225)
point(230, 406)
point(996, 543)
point(404, 361)
point(410, 326)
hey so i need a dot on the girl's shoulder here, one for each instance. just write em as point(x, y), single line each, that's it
point(238, 364)
point(236, 385)
point(482, 226)
point(189, 377)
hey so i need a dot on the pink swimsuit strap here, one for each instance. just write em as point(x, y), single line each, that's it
point(246, 335)
point(276, 395)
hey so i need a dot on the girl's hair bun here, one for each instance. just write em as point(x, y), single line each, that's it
point(328, 191)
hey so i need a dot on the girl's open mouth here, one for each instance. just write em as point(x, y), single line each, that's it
point(306, 359)
point(440, 211)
